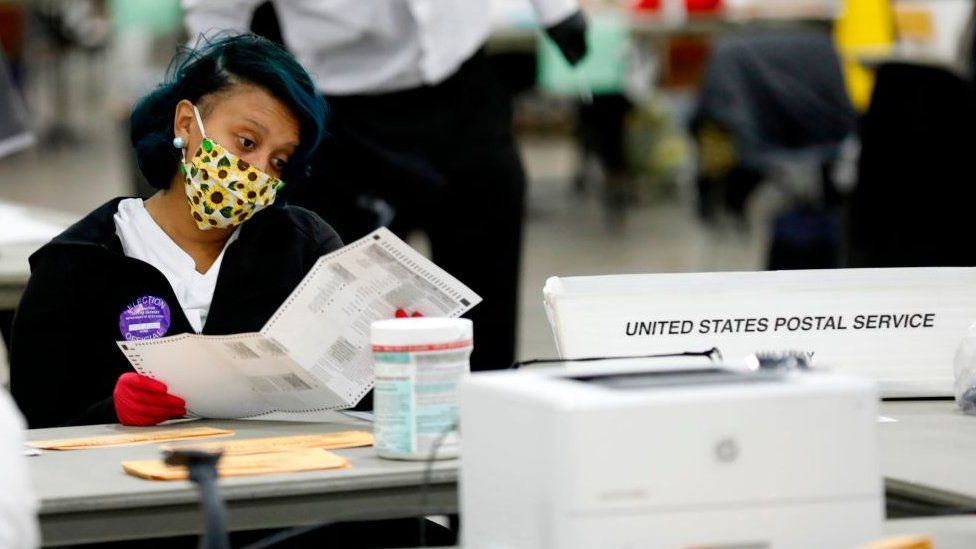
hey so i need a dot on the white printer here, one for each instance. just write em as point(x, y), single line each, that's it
point(636, 458)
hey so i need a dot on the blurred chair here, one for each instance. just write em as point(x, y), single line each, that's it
point(771, 102)
point(915, 194)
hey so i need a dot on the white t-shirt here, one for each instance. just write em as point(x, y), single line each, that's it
point(374, 46)
point(143, 239)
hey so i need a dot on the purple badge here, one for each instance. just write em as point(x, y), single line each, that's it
point(146, 318)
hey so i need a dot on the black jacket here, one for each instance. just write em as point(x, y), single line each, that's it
point(64, 361)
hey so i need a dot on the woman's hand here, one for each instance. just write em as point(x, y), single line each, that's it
point(142, 401)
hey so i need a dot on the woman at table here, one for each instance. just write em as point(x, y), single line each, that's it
point(215, 250)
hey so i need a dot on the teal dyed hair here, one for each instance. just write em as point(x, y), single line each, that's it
point(215, 66)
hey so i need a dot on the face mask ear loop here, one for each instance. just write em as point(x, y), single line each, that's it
point(196, 113)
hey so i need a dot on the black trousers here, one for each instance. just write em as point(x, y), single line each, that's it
point(444, 160)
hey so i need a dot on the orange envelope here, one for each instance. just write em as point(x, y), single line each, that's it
point(129, 439)
point(290, 461)
point(901, 542)
point(327, 441)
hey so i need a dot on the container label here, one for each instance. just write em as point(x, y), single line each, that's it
point(416, 399)
point(393, 410)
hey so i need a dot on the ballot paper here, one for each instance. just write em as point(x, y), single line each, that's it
point(292, 461)
point(314, 352)
point(329, 441)
point(129, 439)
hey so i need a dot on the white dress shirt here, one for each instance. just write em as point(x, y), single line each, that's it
point(143, 239)
point(371, 46)
point(18, 504)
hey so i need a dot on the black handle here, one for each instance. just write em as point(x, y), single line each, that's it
point(203, 472)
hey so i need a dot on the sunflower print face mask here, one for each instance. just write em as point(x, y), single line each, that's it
point(223, 190)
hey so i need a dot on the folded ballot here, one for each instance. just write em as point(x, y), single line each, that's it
point(314, 353)
point(900, 326)
point(291, 461)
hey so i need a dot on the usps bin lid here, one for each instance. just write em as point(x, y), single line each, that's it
point(420, 331)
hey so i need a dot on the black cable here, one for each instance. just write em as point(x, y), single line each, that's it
point(428, 478)
point(916, 399)
point(713, 354)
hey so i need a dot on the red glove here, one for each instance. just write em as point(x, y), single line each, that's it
point(400, 313)
point(141, 400)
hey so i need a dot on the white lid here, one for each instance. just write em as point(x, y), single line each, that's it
point(417, 331)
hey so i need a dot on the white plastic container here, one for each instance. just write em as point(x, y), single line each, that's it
point(419, 363)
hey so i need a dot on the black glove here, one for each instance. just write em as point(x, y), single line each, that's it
point(570, 35)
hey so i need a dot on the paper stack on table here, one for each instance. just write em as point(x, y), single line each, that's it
point(129, 439)
point(261, 456)
point(240, 447)
point(292, 461)
point(314, 352)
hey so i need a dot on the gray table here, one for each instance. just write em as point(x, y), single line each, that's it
point(929, 454)
point(14, 269)
point(85, 496)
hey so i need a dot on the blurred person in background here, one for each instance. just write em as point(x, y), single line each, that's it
point(421, 135)
point(145, 34)
point(773, 106)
